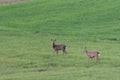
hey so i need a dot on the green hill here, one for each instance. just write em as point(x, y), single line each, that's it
point(26, 30)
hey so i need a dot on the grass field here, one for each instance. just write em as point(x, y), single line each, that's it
point(26, 30)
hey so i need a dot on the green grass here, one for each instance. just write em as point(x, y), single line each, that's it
point(26, 30)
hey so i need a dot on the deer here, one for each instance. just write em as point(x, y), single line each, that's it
point(58, 47)
point(91, 55)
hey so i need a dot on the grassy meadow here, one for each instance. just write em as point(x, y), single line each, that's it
point(26, 30)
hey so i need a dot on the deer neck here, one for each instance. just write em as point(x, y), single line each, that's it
point(53, 44)
point(85, 51)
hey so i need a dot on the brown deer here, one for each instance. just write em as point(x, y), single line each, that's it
point(58, 47)
point(92, 54)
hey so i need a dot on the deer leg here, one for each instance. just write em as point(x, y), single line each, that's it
point(56, 52)
point(97, 58)
point(64, 52)
point(89, 58)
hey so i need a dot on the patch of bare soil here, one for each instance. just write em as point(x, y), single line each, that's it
point(3, 2)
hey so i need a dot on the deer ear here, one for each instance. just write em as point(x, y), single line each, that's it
point(53, 40)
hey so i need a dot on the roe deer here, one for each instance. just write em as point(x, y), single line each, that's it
point(58, 47)
point(92, 54)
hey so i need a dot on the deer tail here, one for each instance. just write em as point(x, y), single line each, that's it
point(98, 54)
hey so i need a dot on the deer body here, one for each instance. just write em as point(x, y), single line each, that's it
point(92, 54)
point(58, 47)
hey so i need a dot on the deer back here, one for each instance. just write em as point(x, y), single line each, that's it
point(59, 47)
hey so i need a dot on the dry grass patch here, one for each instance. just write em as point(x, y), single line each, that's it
point(3, 2)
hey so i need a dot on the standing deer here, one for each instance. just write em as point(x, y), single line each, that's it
point(58, 47)
point(92, 54)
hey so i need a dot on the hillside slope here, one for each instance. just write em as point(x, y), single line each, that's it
point(98, 19)
point(26, 30)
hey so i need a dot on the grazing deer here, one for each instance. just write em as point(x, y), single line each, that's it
point(58, 47)
point(92, 54)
